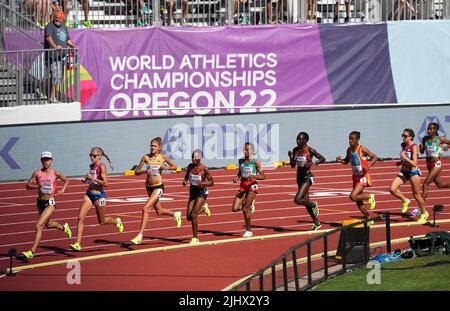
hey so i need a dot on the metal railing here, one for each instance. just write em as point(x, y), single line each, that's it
point(16, 28)
point(34, 77)
point(313, 261)
point(135, 13)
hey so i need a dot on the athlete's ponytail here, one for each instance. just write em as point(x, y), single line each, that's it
point(103, 154)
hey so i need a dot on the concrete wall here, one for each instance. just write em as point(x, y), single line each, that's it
point(222, 137)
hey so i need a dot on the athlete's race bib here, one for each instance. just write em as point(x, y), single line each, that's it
point(153, 169)
point(356, 165)
point(432, 151)
point(46, 188)
point(301, 160)
point(93, 173)
point(246, 171)
point(195, 180)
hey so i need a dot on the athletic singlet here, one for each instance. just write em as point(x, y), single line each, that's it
point(408, 151)
point(303, 156)
point(95, 171)
point(248, 168)
point(47, 183)
point(358, 161)
point(153, 165)
point(196, 175)
point(432, 148)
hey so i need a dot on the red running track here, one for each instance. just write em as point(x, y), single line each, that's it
point(165, 261)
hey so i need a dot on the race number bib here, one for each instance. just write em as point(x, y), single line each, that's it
point(363, 180)
point(432, 151)
point(246, 171)
point(301, 161)
point(195, 180)
point(153, 170)
point(51, 201)
point(102, 202)
point(438, 164)
point(93, 173)
point(46, 188)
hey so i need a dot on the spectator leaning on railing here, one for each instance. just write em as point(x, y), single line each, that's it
point(56, 37)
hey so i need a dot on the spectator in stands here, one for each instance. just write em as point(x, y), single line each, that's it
point(60, 5)
point(41, 11)
point(56, 38)
point(409, 9)
point(85, 4)
point(171, 9)
point(293, 11)
point(311, 17)
point(279, 7)
point(336, 11)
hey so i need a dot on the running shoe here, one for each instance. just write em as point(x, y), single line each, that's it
point(423, 218)
point(177, 217)
point(119, 225)
point(67, 230)
point(140, 24)
point(252, 207)
point(207, 211)
point(405, 206)
point(315, 209)
point(76, 246)
point(29, 254)
point(194, 241)
point(371, 201)
point(88, 24)
point(137, 240)
point(316, 226)
point(247, 234)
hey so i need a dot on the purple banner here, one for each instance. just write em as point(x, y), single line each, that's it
point(153, 72)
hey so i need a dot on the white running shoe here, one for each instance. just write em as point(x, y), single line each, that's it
point(247, 234)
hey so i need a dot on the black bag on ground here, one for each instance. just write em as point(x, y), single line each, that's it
point(433, 243)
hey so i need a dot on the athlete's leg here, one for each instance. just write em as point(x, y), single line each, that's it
point(84, 209)
point(238, 201)
point(431, 177)
point(42, 221)
point(415, 187)
point(395, 187)
point(100, 207)
point(196, 210)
